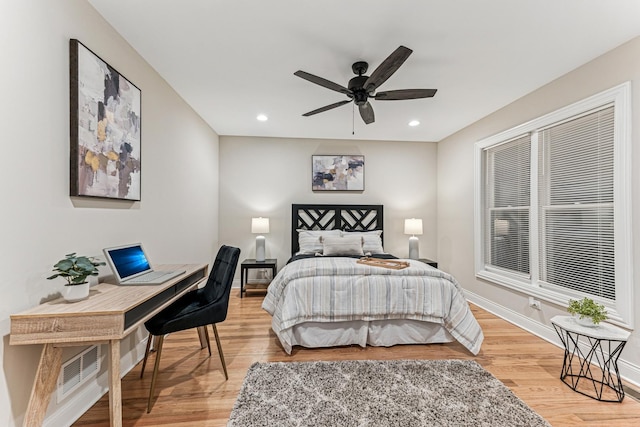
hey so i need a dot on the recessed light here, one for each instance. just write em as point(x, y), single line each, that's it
point(262, 118)
point(414, 123)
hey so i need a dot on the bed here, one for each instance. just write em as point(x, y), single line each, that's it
point(324, 297)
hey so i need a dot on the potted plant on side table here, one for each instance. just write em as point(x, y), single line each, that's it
point(587, 312)
point(76, 270)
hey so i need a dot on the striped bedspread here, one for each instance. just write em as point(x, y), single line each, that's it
point(335, 289)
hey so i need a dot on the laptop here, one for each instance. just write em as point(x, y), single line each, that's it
point(130, 265)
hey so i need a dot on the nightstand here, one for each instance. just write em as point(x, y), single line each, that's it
point(247, 264)
point(432, 263)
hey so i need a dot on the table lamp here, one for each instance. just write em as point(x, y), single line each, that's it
point(413, 226)
point(260, 226)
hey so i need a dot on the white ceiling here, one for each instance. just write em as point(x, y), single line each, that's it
point(231, 60)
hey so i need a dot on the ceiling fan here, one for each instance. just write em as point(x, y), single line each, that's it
point(361, 88)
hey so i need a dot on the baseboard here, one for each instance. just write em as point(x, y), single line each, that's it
point(71, 411)
point(629, 372)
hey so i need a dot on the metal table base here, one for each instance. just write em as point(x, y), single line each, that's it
point(577, 366)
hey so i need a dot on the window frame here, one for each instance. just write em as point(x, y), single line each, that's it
point(621, 311)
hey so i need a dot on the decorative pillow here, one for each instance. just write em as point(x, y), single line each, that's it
point(309, 240)
point(372, 240)
point(342, 245)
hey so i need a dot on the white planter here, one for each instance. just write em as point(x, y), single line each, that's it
point(73, 293)
point(585, 321)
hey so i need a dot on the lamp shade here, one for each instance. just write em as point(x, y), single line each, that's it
point(413, 226)
point(259, 225)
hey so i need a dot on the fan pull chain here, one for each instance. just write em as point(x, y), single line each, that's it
point(353, 118)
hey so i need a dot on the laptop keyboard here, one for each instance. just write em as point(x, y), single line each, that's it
point(149, 277)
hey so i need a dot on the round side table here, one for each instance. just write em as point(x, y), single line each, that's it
point(593, 369)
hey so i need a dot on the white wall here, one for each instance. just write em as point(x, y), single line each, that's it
point(456, 179)
point(264, 176)
point(176, 219)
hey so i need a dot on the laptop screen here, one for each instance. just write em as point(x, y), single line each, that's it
point(128, 261)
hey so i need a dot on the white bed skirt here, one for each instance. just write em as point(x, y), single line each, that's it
point(379, 333)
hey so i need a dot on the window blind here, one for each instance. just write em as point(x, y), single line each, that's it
point(507, 200)
point(575, 189)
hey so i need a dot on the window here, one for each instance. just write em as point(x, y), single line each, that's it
point(553, 205)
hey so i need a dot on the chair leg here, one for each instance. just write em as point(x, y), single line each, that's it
point(159, 343)
point(203, 335)
point(206, 336)
point(224, 365)
point(200, 336)
point(146, 355)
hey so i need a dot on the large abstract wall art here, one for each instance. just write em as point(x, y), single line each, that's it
point(105, 129)
point(338, 173)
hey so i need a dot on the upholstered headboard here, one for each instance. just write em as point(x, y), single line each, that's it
point(331, 217)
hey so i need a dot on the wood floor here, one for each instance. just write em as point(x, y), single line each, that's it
point(192, 391)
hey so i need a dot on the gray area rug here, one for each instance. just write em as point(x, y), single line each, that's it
point(377, 393)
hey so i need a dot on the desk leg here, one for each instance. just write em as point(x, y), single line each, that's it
point(44, 384)
point(115, 390)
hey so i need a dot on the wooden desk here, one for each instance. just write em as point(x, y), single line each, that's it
point(109, 314)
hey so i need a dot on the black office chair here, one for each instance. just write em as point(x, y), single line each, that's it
point(196, 309)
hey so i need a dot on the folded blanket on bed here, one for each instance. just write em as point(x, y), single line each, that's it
point(339, 289)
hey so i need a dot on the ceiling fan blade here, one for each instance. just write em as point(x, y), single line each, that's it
point(387, 68)
point(322, 82)
point(366, 112)
point(326, 107)
point(394, 95)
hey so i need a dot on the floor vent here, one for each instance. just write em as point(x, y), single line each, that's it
point(77, 370)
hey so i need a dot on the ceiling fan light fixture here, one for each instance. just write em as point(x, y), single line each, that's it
point(362, 87)
point(262, 118)
point(414, 123)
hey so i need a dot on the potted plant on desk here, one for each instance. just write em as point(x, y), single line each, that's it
point(587, 312)
point(76, 270)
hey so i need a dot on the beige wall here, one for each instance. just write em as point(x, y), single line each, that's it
point(264, 176)
point(456, 185)
point(176, 219)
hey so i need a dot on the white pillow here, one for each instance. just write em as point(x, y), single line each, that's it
point(372, 240)
point(309, 240)
point(342, 245)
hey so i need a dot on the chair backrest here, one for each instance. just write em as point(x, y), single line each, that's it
point(220, 279)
